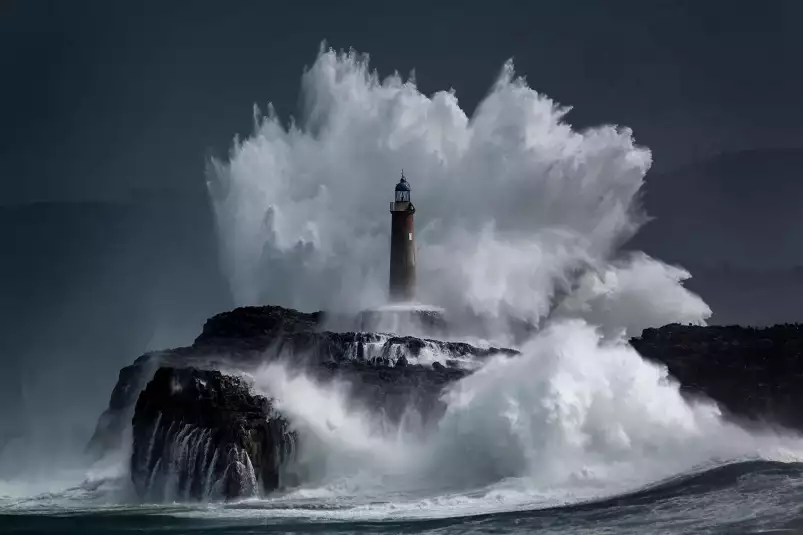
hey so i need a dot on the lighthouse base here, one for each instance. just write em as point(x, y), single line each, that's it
point(404, 319)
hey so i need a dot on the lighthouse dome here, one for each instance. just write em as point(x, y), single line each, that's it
point(403, 185)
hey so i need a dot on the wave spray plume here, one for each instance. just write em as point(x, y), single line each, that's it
point(512, 203)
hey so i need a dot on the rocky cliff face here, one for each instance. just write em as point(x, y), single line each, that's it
point(200, 434)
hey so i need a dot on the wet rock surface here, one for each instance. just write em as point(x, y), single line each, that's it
point(199, 434)
point(753, 373)
point(175, 426)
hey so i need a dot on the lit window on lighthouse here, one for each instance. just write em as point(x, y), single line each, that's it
point(410, 236)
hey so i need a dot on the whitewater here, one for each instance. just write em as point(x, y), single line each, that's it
point(519, 215)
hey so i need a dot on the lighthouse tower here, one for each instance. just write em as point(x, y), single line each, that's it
point(402, 244)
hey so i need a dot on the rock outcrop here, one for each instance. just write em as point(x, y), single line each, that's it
point(755, 374)
point(181, 406)
point(278, 332)
point(199, 434)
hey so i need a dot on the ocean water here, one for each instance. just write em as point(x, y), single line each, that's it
point(743, 497)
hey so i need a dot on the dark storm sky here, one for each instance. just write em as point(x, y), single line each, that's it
point(99, 98)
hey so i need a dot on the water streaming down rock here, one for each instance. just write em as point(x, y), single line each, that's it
point(200, 435)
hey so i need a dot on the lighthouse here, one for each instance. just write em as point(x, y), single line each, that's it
point(402, 244)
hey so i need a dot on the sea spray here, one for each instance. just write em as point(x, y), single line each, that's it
point(518, 215)
point(513, 205)
point(342, 438)
point(575, 416)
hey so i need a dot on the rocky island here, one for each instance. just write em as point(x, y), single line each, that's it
point(200, 432)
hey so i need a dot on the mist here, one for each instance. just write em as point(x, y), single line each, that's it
point(87, 288)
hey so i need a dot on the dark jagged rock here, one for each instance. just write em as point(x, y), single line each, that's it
point(360, 358)
point(377, 366)
point(199, 434)
point(754, 374)
point(130, 382)
point(257, 323)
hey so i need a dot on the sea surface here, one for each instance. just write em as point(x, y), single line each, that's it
point(742, 497)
